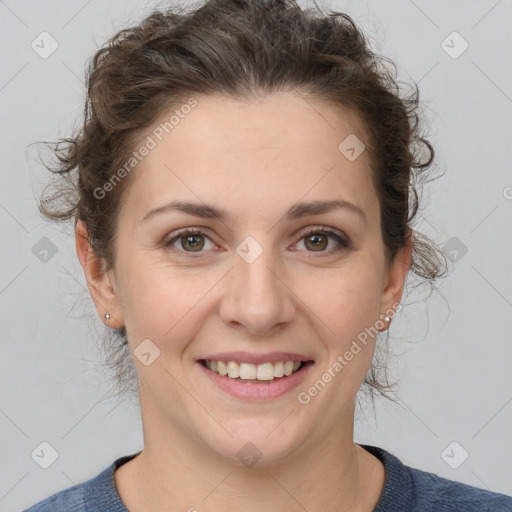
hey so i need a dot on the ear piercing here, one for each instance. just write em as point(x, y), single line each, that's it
point(107, 318)
point(385, 319)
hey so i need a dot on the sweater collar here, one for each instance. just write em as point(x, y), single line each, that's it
point(398, 491)
point(397, 494)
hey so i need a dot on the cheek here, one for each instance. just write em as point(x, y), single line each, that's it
point(346, 297)
point(350, 309)
point(159, 303)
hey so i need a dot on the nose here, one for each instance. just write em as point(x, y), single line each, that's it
point(257, 298)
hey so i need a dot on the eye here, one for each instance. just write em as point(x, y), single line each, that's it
point(317, 239)
point(190, 241)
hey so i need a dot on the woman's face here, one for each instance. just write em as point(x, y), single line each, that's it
point(252, 283)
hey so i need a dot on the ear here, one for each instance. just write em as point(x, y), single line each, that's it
point(101, 284)
point(394, 284)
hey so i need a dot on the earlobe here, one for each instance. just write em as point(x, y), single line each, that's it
point(98, 280)
point(392, 292)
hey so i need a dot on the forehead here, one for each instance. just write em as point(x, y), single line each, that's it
point(279, 148)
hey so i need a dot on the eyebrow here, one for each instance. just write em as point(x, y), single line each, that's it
point(296, 211)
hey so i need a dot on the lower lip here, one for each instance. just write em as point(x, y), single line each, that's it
point(263, 391)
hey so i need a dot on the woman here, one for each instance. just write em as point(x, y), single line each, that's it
point(244, 224)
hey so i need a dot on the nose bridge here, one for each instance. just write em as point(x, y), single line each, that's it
point(253, 263)
point(256, 278)
point(258, 299)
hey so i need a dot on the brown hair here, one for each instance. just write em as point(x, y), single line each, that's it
point(240, 49)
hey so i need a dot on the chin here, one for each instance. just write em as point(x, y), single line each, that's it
point(258, 442)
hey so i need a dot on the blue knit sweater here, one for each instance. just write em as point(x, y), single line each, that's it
point(406, 489)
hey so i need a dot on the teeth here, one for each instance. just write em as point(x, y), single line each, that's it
point(233, 370)
point(249, 371)
point(265, 371)
point(222, 368)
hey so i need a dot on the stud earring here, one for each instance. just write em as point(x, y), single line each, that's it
point(107, 318)
point(386, 318)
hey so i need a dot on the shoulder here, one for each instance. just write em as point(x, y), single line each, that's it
point(99, 494)
point(69, 500)
point(447, 495)
point(408, 489)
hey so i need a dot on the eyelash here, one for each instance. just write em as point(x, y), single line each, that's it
point(344, 243)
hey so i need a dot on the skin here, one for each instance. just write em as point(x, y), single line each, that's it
point(255, 159)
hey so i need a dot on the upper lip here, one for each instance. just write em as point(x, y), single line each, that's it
point(248, 357)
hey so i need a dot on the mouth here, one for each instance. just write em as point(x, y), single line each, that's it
point(251, 373)
point(250, 377)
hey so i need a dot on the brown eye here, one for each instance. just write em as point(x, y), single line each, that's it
point(195, 242)
point(316, 242)
point(190, 241)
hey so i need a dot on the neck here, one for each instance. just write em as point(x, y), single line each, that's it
point(173, 470)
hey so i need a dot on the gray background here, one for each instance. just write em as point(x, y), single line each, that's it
point(454, 348)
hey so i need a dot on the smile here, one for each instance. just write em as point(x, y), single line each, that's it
point(255, 373)
point(250, 381)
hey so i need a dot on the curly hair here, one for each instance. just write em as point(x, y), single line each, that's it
point(240, 49)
